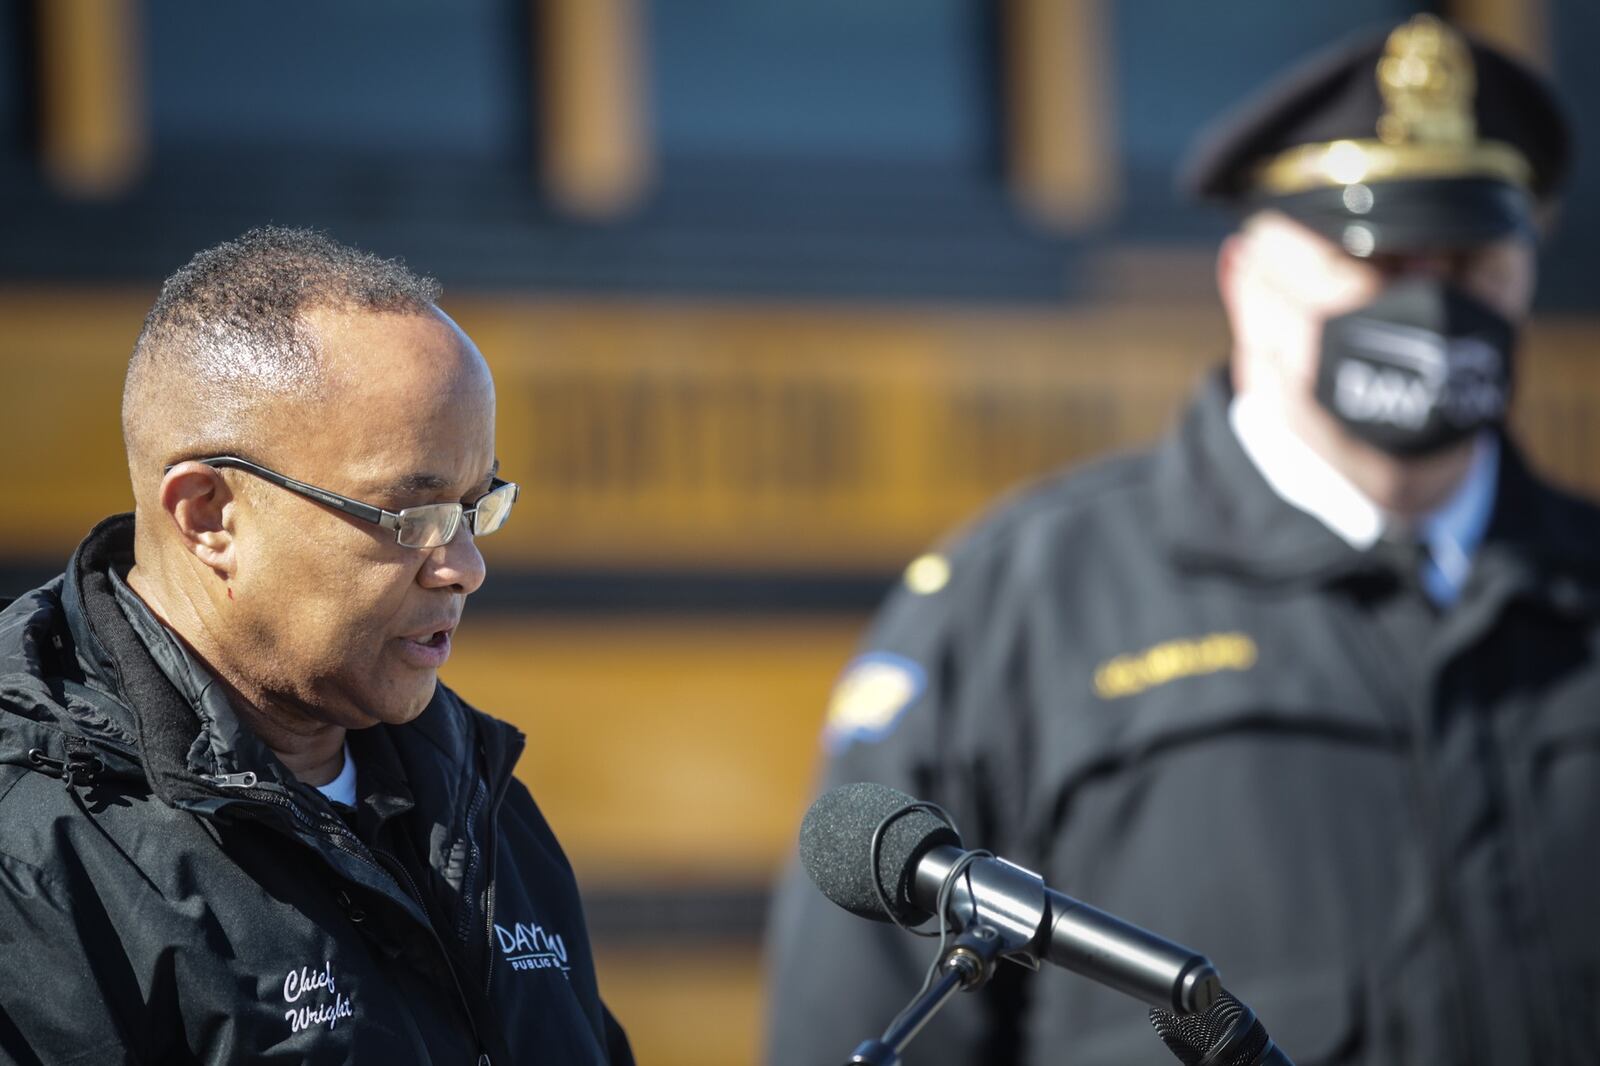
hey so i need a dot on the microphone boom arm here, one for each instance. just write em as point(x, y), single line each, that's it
point(1038, 923)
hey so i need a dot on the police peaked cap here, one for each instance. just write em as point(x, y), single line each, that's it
point(1410, 138)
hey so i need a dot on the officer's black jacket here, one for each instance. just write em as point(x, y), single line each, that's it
point(169, 893)
point(1183, 701)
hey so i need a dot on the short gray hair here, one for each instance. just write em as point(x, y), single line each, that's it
point(227, 332)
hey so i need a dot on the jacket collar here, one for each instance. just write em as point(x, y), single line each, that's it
point(115, 659)
point(223, 745)
point(1541, 542)
point(1216, 512)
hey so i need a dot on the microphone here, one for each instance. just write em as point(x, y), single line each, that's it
point(1229, 1034)
point(901, 879)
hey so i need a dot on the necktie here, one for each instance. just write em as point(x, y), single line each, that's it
point(1412, 610)
point(1411, 560)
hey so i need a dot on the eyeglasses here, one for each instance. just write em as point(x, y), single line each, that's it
point(431, 525)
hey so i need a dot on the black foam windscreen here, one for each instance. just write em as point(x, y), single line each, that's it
point(1229, 1034)
point(836, 848)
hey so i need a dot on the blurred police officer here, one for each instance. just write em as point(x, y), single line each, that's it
point(1312, 687)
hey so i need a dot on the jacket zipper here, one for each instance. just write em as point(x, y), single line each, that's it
point(488, 892)
point(346, 841)
point(469, 882)
point(1403, 697)
point(397, 873)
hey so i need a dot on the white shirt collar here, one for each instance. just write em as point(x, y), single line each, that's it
point(1305, 480)
point(342, 789)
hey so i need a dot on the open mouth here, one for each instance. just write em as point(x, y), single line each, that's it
point(428, 650)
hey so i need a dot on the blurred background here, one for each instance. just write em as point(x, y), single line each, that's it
point(775, 292)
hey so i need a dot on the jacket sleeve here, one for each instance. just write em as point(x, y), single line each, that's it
point(63, 1010)
point(618, 1051)
point(910, 712)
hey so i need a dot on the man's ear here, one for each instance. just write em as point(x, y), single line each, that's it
point(1233, 270)
point(1230, 268)
point(200, 506)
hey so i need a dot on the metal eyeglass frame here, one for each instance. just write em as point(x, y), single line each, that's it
point(365, 511)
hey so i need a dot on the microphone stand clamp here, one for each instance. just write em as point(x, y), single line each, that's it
point(966, 964)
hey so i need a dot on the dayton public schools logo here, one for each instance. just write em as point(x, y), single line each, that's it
point(526, 946)
point(1405, 373)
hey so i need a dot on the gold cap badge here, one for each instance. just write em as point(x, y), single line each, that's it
point(1427, 130)
point(1428, 84)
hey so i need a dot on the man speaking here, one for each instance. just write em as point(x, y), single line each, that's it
point(1313, 686)
point(240, 819)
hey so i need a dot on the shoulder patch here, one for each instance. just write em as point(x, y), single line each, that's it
point(872, 693)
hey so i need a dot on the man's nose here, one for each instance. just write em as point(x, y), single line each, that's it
point(457, 564)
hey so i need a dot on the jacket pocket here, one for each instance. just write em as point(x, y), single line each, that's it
point(1559, 823)
point(1274, 834)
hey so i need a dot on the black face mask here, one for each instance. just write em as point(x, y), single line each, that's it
point(1419, 368)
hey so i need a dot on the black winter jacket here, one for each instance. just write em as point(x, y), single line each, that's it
point(169, 893)
point(1184, 701)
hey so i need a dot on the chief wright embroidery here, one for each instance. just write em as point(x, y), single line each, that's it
point(527, 946)
point(1127, 675)
point(304, 982)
